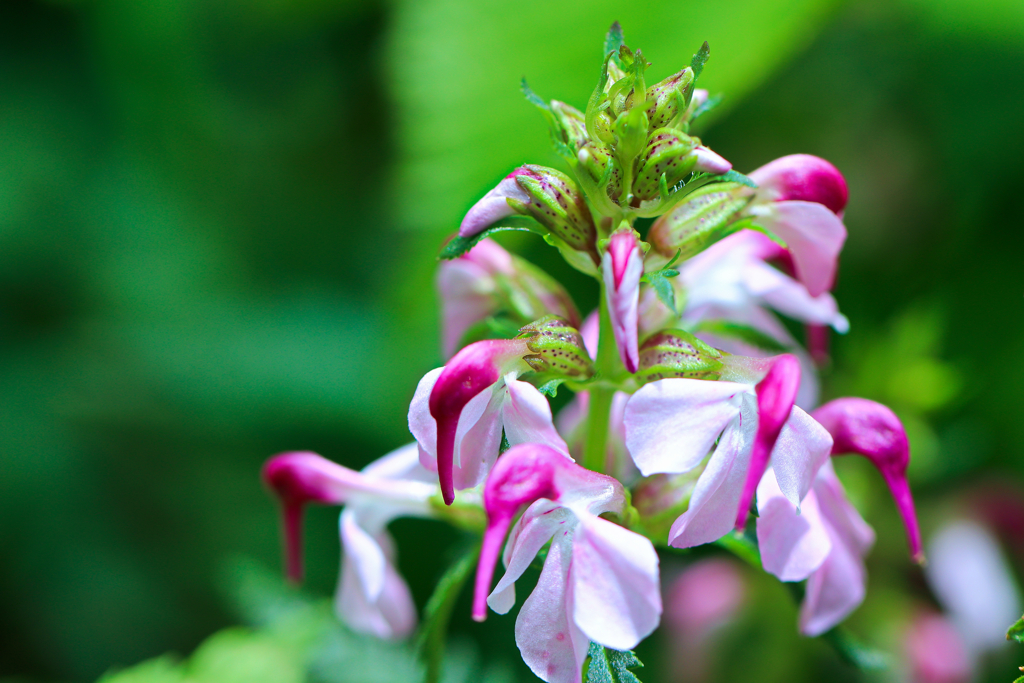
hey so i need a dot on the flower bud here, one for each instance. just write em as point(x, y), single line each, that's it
point(622, 267)
point(594, 161)
point(699, 221)
point(556, 348)
point(674, 155)
point(667, 99)
point(572, 123)
point(558, 205)
point(675, 353)
point(802, 177)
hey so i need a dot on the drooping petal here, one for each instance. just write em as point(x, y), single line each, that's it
point(793, 544)
point(814, 235)
point(712, 510)
point(533, 530)
point(621, 269)
point(802, 448)
point(549, 640)
point(615, 577)
point(791, 298)
point(493, 205)
point(776, 395)
point(672, 424)
point(871, 429)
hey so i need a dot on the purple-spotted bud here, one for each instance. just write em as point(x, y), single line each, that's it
point(471, 371)
point(494, 205)
point(701, 220)
point(666, 100)
point(863, 427)
point(673, 155)
point(622, 266)
point(594, 161)
point(572, 124)
point(556, 203)
point(676, 353)
point(557, 348)
point(776, 395)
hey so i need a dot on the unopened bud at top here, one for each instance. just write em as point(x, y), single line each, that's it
point(556, 347)
point(557, 204)
point(702, 219)
point(572, 124)
point(666, 100)
point(676, 353)
point(673, 155)
point(595, 161)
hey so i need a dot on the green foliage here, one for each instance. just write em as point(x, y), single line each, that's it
point(1016, 632)
point(735, 177)
point(700, 59)
point(550, 387)
point(604, 665)
point(459, 245)
point(744, 333)
point(434, 630)
point(613, 42)
point(659, 280)
point(706, 106)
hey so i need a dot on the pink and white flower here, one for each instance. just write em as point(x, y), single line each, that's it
point(801, 199)
point(672, 424)
point(621, 268)
point(459, 411)
point(493, 205)
point(599, 582)
point(372, 597)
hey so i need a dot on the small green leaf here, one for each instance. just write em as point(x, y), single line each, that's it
point(613, 41)
point(1016, 632)
point(700, 59)
point(550, 388)
point(533, 98)
point(438, 612)
point(659, 280)
point(458, 245)
point(709, 104)
point(604, 665)
point(743, 333)
point(505, 445)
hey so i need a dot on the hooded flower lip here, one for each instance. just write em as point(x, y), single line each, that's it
point(599, 582)
point(372, 597)
point(867, 428)
point(621, 268)
point(493, 205)
point(672, 424)
point(459, 411)
point(800, 198)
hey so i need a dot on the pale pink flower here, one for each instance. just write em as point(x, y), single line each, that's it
point(459, 411)
point(621, 268)
point(672, 424)
point(372, 597)
point(935, 651)
point(493, 205)
point(801, 198)
point(599, 582)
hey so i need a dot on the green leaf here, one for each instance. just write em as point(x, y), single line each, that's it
point(700, 59)
point(709, 104)
point(533, 98)
point(735, 177)
point(438, 612)
point(1016, 632)
point(743, 333)
point(604, 665)
point(458, 245)
point(659, 280)
point(550, 388)
point(613, 41)
point(855, 653)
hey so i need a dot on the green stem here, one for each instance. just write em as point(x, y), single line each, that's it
point(438, 612)
point(598, 414)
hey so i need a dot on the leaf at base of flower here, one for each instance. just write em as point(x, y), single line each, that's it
point(458, 246)
point(604, 665)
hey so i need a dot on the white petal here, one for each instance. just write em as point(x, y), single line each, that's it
point(615, 582)
point(833, 591)
point(535, 528)
point(793, 544)
point(527, 417)
point(814, 236)
point(672, 424)
point(422, 424)
point(802, 448)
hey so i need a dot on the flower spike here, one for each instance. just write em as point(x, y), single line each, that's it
point(776, 394)
point(867, 428)
point(621, 267)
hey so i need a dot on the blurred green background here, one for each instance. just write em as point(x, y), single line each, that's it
point(218, 224)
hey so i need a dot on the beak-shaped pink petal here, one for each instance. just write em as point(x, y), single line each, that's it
point(493, 205)
point(814, 235)
point(870, 429)
point(470, 371)
point(776, 394)
point(621, 268)
point(805, 178)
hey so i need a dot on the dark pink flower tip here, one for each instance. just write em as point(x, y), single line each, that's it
point(776, 394)
point(620, 245)
point(867, 428)
point(803, 177)
point(524, 474)
point(469, 372)
point(298, 479)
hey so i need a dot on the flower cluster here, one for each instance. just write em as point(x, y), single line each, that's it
point(694, 405)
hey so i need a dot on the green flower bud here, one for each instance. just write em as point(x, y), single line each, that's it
point(667, 99)
point(701, 220)
point(572, 124)
point(667, 152)
point(630, 134)
point(675, 353)
point(594, 161)
point(557, 204)
point(556, 348)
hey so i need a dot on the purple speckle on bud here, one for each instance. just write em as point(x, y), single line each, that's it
point(867, 428)
point(776, 394)
point(803, 177)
